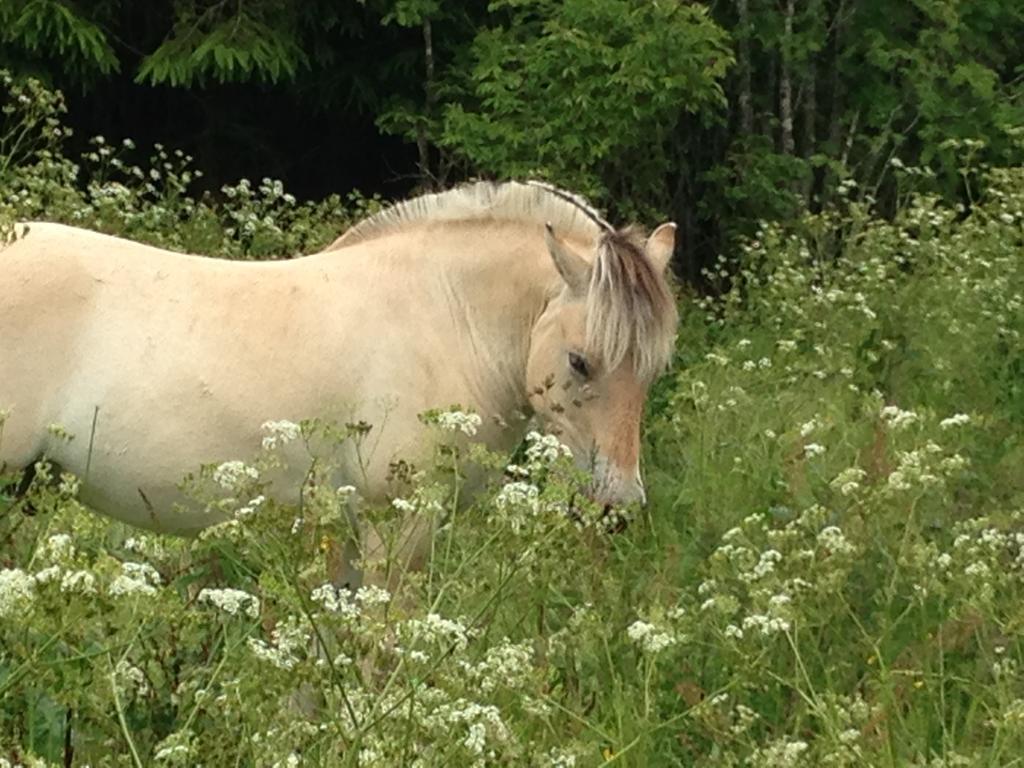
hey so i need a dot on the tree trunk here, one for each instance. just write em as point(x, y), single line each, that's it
point(786, 82)
point(745, 98)
point(427, 179)
point(810, 133)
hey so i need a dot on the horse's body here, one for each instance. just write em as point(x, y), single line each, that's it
point(159, 362)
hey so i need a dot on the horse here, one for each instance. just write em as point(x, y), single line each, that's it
point(506, 298)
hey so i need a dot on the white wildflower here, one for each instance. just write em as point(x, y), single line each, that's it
point(130, 679)
point(135, 579)
point(372, 595)
point(175, 750)
point(956, 420)
point(779, 754)
point(766, 625)
point(559, 758)
point(896, 418)
point(833, 540)
point(809, 426)
point(231, 474)
point(507, 665)
point(249, 509)
point(80, 582)
point(46, 575)
point(545, 449)
point(288, 639)
point(649, 637)
point(403, 505)
point(813, 449)
point(279, 433)
point(477, 739)
point(764, 566)
point(459, 421)
point(16, 591)
point(848, 481)
point(334, 600)
point(437, 629)
point(517, 501)
point(231, 601)
point(59, 548)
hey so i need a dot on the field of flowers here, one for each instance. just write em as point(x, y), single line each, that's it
point(830, 571)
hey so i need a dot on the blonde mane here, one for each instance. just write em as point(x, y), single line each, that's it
point(631, 310)
point(570, 214)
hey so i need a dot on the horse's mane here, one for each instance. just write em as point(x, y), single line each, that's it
point(630, 307)
point(532, 201)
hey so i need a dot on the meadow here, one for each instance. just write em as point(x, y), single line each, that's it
point(830, 571)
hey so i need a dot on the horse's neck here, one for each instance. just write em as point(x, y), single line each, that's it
point(495, 286)
point(487, 283)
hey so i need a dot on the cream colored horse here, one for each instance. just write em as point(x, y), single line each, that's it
point(159, 362)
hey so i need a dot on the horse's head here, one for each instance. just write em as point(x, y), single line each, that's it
point(597, 347)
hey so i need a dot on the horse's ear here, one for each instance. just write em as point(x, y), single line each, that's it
point(571, 266)
point(660, 245)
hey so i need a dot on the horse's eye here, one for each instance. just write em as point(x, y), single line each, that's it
point(579, 365)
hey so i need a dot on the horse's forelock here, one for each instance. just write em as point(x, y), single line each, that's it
point(630, 308)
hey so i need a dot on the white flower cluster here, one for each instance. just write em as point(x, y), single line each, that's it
point(147, 546)
point(896, 418)
point(177, 750)
point(59, 548)
point(810, 426)
point(956, 420)
point(914, 469)
point(812, 450)
point(518, 501)
point(249, 509)
point(459, 421)
point(765, 624)
point(372, 596)
point(506, 665)
point(232, 474)
point(483, 723)
point(782, 753)
point(279, 433)
point(835, 542)
point(334, 600)
point(135, 579)
point(651, 638)
point(765, 565)
point(231, 601)
point(17, 589)
point(435, 629)
point(130, 679)
point(848, 481)
point(545, 449)
point(560, 758)
point(78, 582)
point(288, 639)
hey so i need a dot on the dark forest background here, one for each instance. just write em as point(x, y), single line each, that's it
point(717, 115)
